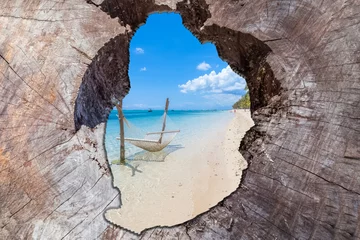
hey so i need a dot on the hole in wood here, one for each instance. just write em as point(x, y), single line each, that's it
point(199, 166)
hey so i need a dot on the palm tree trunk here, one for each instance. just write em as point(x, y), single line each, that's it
point(122, 137)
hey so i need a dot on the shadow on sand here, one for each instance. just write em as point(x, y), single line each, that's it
point(160, 156)
point(145, 156)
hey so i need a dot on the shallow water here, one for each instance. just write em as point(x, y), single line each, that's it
point(197, 170)
point(192, 125)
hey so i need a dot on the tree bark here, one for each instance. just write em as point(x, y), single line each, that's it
point(164, 123)
point(122, 132)
point(62, 64)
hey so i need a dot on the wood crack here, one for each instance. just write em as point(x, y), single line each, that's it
point(82, 53)
point(328, 181)
point(92, 3)
point(27, 84)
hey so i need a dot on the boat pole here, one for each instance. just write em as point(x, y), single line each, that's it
point(164, 123)
point(122, 137)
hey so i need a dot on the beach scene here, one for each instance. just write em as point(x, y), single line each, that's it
point(179, 120)
point(200, 167)
point(173, 142)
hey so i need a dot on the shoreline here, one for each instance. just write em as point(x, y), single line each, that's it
point(187, 183)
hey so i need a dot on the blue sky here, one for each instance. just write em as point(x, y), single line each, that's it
point(166, 60)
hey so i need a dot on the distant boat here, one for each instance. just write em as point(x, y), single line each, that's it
point(150, 110)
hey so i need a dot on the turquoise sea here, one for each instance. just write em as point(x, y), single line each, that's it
point(194, 126)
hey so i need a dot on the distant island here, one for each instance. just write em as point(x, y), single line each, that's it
point(244, 101)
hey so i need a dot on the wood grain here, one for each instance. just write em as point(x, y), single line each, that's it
point(63, 63)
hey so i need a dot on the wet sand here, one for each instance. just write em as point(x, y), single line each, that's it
point(175, 185)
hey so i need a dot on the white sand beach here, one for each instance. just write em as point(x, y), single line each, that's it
point(175, 185)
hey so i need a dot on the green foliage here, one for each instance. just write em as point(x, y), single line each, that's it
point(244, 101)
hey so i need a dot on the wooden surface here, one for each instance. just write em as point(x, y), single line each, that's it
point(62, 63)
point(164, 122)
point(122, 133)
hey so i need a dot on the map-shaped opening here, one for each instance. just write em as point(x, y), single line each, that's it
point(202, 164)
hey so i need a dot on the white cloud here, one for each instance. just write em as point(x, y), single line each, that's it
point(225, 82)
point(139, 51)
point(222, 99)
point(143, 69)
point(203, 66)
point(139, 105)
point(189, 103)
point(236, 87)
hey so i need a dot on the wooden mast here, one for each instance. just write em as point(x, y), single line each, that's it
point(122, 137)
point(164, 123)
